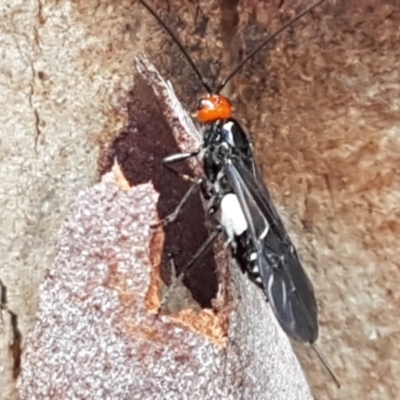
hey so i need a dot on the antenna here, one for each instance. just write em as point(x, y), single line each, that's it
point(242, 63)
point(179, 43)
point(264, 43)
point(326, 365)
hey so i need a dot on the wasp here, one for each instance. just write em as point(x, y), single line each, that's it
point(233, 187)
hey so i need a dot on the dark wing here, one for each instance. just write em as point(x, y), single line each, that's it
point(284, 280)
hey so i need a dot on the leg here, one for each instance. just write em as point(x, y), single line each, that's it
point(171, 217)
point(179, 157)
point(174, 158)
point(196, 183)
point(203, 249)
point(177, 280)
point(205, 190)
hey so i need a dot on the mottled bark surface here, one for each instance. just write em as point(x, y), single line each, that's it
point(321, 105)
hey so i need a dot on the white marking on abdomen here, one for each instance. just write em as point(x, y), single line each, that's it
point(232, 217)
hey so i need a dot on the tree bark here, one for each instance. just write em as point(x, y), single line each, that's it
point(320, 103)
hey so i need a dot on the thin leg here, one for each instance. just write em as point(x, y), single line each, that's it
point(179, 157)
point(172, 159)
point(199, 254)
point(203, 249)
point(171, 217)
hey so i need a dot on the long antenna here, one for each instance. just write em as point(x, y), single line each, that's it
point(264, 43)
point(179, 43)
point(242, 63)
point(326, 365)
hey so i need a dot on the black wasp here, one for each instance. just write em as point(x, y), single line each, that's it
point(247, 216)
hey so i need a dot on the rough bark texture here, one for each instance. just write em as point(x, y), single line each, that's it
point(321, 105)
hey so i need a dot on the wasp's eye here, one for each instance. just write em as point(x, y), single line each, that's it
point(206, 104)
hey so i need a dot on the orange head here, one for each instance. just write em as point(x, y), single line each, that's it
point(213, 107)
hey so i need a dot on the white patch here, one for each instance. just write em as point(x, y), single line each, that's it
point(228, 125)
point(253, 257)
point(232, 217)
point(255, 269)
point(227, 129)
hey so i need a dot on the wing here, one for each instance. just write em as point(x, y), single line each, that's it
point(284, 280)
